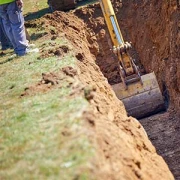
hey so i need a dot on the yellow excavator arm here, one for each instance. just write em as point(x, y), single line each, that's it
point(141, 95)
point(128, 70)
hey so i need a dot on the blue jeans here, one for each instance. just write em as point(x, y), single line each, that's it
point(5, 42)
point(13, 22)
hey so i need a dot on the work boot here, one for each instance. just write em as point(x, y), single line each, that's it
point(32, 50)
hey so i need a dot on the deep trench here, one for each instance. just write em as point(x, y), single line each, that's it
point(153, 29)
point(162, 128)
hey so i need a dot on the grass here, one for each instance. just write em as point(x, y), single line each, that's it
point(32, 6)
point(42, 136)
point(31, 128)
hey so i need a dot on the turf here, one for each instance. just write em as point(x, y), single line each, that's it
point(42, 136)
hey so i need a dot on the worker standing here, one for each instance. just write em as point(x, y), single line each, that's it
point(13, 21)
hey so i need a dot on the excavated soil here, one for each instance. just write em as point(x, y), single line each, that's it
point(123, 148)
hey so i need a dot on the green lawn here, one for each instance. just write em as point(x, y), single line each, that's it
point(31, 6)
point(42, 135)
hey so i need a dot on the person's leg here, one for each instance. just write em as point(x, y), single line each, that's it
point(5, 42)
point(13, 22)
point(6, 24)
point(18, 30)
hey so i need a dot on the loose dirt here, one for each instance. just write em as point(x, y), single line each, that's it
point(123, 148)
point(48, 81)
point(55, 50)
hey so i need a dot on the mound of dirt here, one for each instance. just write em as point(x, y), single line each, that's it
point(122, 147)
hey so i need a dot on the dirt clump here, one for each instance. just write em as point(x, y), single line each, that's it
point(53, 80)
point(48, 81)
point(70, 71)
point(123, 148)
point(53, 50)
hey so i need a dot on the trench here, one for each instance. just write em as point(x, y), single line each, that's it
point(155, 49)
point(153, 28)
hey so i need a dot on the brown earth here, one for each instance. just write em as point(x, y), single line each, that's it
point(163, 130)
point(123, 149)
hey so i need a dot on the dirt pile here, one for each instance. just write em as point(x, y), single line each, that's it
point(123, 149)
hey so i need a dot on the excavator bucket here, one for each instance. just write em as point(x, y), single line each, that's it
point(141, 100)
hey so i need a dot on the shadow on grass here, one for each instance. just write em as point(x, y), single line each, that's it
point(37, 15)
point(7, 60)
point(36, 36)
point(12, 57)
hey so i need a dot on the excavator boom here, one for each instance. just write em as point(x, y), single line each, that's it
point(141, 95)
